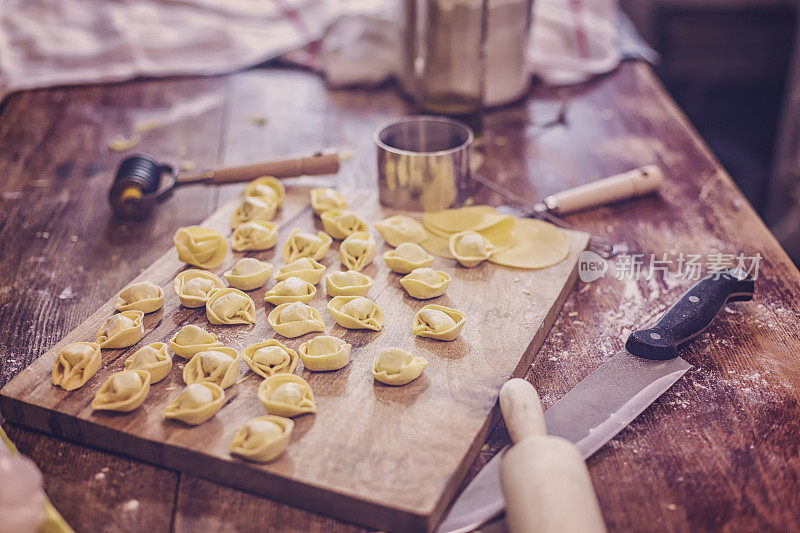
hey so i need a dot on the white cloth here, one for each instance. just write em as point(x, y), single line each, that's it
point(46, 42)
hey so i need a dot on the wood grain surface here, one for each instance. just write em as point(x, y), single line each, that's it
point(381, 456)
point(717, 452)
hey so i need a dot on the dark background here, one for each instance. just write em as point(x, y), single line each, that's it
point(729, 65)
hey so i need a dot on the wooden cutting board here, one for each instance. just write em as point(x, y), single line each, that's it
point(384, 457)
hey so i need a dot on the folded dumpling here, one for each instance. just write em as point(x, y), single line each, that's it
point(267, 188)
point(340, 223)
point(191, 339)
point(350, 283)
point(358, 250)
point(303, 244)
point(144, 296)
point(254, 235)
point(75, 364)
point(196, 403)
point(304, 268)
point(438, 322)
point(230, 306)
point(295, 319)
point(356, 312)
point(397, 367)
point(121, 330)
point(406, 257)
point(201, 247)
point(253, 208)
point(123, 391)
point(219, 366)
point(425, 283)
point(194, 287)
point(262, 439)
point(248, 274)
point(470, 248)
point(286, 395)
point(325, 353)
point(398, 229)
point(269, 358)
point(292, 289)
point(153, 358)
point(325, 199)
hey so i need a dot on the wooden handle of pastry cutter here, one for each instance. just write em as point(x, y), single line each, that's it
point(545, 482)
point(315, 165)
point(637, 182)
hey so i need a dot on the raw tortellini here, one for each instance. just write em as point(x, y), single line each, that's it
point(325, 199)
point(191, 339)
point(196, 403)
point(302, 244)
point(253, 208)
point(425, 283)
point(397, 367)
point(357, 250)
point(470, 248)
point(286, 395)
point(438, 322)
point(398, 229)
point(75, 364)
point(201, 247)
point(218, 365)
point(143, 296)
point(406, 257)
point(269, 358)
point(350, 283)
point(123, 391)
point(356, 312)
point(304, 268)
point(262, 439)
point(255, 235)
point(325, 353)
point(194, 287)
point(267, 188)
point(248, 274)
point(340, 223)
point(121, 330)
point(295, 319)
point(292, 289)
point(230, 306)
point(152, 358)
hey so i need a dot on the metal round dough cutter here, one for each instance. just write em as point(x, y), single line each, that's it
point(141, 181)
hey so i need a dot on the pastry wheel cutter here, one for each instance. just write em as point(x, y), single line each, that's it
point(141, 182)
point(631, 184)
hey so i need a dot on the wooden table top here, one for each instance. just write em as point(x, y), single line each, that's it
point(718, 450)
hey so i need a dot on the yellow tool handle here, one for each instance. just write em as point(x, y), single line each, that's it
point(623, 186)
point(315, 165)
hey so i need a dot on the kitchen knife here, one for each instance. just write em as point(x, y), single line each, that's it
point(614, 394)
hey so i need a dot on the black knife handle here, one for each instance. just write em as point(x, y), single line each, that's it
point(691, 314)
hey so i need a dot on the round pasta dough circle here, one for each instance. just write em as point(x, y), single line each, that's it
point(537, 244)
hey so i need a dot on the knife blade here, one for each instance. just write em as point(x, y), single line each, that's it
point(607, 400)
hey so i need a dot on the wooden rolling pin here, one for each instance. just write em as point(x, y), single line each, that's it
point(545, 482)
point(637, 182)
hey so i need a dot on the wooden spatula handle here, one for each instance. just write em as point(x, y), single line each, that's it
point(637, 182)
point(545, 482)
point(317, 164)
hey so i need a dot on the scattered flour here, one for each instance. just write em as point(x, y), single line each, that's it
point(131, 505)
